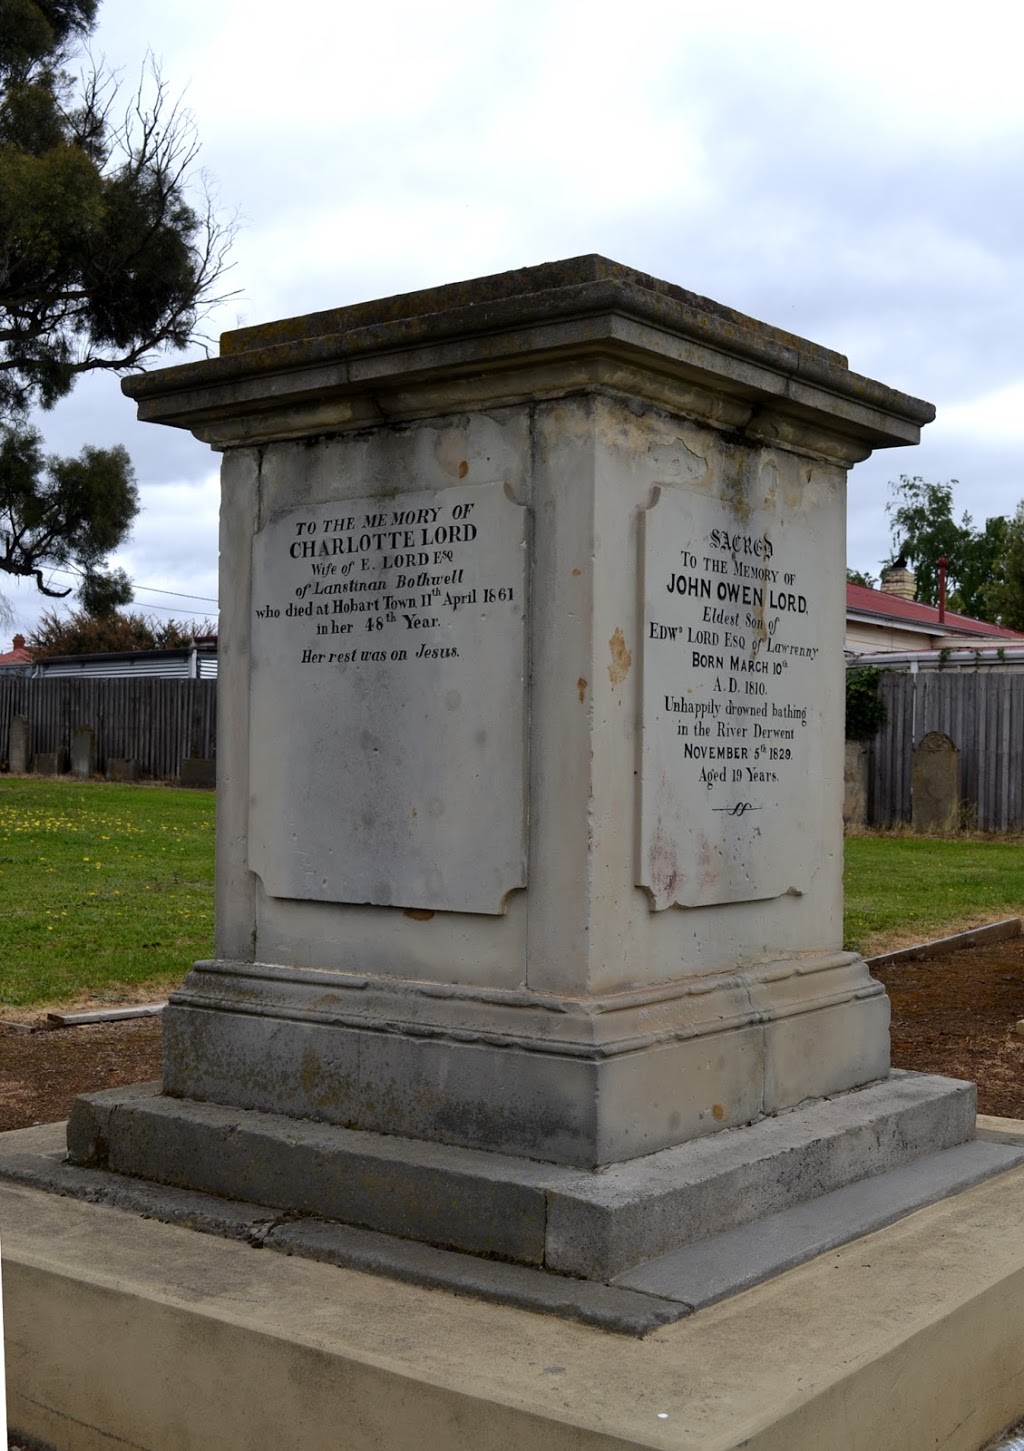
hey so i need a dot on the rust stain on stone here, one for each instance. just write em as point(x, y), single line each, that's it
point(581, 687)
point(621, 658)
point(418, 914)
point(708, 862)
point(463, 469)
point(717, 1112)
point(576, 573)
point(663, 866)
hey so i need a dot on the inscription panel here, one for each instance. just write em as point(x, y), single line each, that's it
point(388, 710)
point(731, 729)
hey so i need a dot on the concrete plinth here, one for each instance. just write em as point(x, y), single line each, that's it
point(123, 1331)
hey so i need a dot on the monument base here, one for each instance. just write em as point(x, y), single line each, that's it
point(687, 1225)
point(126, 1331)
point(580, 1081)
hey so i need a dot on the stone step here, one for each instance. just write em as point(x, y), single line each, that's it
point(666, 1289)
point(602, 1224)
point(699, 1274)
point(592, 1225)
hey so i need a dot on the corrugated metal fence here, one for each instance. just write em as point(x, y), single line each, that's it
point(158, 722)
point(982, 712)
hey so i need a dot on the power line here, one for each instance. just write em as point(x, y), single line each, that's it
point(155, 589)
point(151, 605)
point(149, 588)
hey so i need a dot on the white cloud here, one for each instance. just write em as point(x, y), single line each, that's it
point(997, 416)
point(850, 176)
point(172, 552)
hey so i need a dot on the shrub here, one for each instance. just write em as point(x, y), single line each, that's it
point(865, 710)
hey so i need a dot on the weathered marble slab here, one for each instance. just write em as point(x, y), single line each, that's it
point(731, 729)
point(83, 752)
point(18, 753)
point(935, 785)
point(388, 722)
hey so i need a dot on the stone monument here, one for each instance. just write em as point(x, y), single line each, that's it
point(530, 778)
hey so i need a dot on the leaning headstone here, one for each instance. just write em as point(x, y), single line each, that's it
point(19, 758)
point(83, 752)
point(198, 772)
point(529, 827)
point(855, 784)
point(122, 768)
point(935, 785)
point(52, 763)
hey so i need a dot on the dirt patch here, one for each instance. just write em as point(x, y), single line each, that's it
point(42, 1073)
point(957, 1015)
point(954, 1015)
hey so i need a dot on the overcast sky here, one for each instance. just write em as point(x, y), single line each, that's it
point(851, 174)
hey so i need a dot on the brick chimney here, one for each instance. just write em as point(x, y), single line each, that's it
point(18, 643)
point(898, 580)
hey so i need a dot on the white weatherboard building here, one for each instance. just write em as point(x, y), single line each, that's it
point(195, 662)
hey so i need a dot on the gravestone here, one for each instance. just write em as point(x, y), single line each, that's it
point(531, 690)
point(855, 784)
point(122, 768)
point(196, 771)
point(83, 752)
point(935, 785)
point(52, 763)
point(19, 757)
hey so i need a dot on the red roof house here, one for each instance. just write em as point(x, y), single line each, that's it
point(878, 620)
point(17, 657)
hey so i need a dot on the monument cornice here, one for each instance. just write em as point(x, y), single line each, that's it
point(543, 332)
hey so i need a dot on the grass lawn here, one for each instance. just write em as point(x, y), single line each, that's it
point(903, 889)
point(102, 888)
point(107, 890)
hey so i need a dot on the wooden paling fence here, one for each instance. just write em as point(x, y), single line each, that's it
point(982, 712)
point(156, 722)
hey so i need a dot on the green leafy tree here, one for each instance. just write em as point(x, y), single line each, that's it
point(924, 529)
point(81, 633)
point(65, 513)
point(858, 576)
point(982, 567)
point(1005, 591)
point(104, 258)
